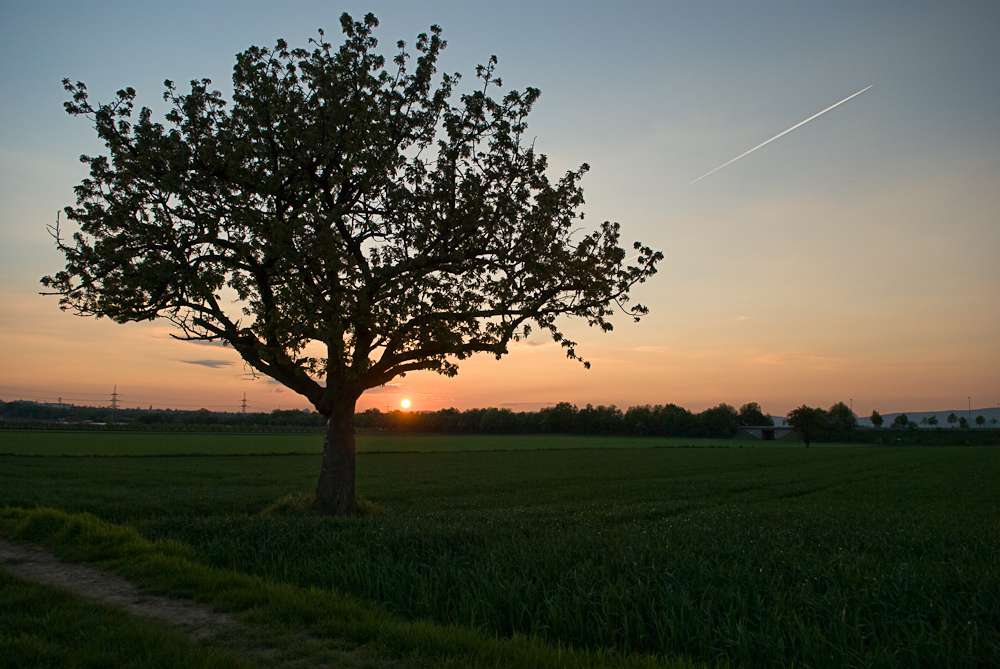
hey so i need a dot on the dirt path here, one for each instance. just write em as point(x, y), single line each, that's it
point(107, 588)
point(195, 620)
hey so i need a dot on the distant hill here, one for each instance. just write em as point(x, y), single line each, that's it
point(942, 416)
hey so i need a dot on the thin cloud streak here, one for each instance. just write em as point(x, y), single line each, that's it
point(214, 364)
point(782, 134)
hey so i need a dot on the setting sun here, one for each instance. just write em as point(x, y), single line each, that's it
point(405, 404)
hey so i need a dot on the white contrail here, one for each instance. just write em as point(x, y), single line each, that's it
point(773, 138)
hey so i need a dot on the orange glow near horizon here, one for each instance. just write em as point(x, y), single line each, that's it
point(700, 368)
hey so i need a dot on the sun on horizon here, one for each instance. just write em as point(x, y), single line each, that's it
point(405, 404)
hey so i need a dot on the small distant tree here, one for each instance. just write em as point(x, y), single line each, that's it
point(841, 420)
point(876, 419)
point(980, 421)
point(963, 424)
point(721, 421)
point(993, 422)
point(932, 421)
point(952, 419)
point(752, 414)
point(900, 421)
point(809, 422)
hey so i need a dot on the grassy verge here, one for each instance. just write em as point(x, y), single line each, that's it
point(280, 615)
point(44, 627)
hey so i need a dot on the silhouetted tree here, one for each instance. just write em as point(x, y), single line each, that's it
point(599, 420)
point(367, 225)
point(840, 420)
point(560, 418)
point(671, 420)
point(963, 423)
point(719, 421)
point(876, 419)
point(639, 420)
point(751, 414)
point(809, 422)
point(900, 421)
point(932, 421)
point(980, 421)
point(952, 419)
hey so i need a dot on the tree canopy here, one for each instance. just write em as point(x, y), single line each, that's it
point(339, 223)
point(840, 420)
point(809, 422)
point(752, 414)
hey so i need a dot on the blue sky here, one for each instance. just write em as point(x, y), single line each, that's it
point(856, 257)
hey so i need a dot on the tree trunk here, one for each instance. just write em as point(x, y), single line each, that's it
point(335, 490)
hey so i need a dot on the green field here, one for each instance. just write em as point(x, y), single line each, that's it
point(748, 556)
point(62, 442)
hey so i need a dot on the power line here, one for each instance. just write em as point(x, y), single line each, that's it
point(114, 404)
point(117, 401)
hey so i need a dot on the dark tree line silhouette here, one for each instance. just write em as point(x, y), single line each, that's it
point(721, 421)
point(659, 420)
point(836, 424)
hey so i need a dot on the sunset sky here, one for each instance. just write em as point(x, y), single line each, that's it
point(855, 258)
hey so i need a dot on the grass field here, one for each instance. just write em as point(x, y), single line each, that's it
point(749, 556)
point(62, 442)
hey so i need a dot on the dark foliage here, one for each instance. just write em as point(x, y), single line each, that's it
point(811, 423)
point(752, 414)
point(343, 221)
point(841, 421)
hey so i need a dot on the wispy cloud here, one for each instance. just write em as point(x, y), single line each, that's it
point(383, 390)
point(214, 364)
point(217, 344)
point(168, 335)
point(514, 405)
point(778, 359)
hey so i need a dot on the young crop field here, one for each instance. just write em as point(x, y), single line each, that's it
point(825, 557)
point(99, 443)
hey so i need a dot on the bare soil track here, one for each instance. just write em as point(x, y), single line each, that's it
point(107, 588)
point(189, 617)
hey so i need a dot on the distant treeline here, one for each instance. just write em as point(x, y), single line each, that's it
point(669, 420)
point(564, 418)
point(82, 416)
